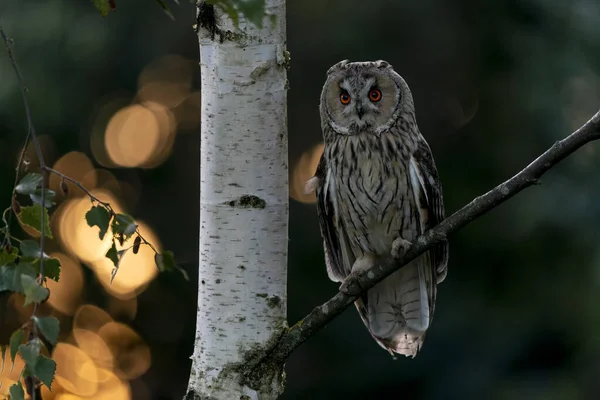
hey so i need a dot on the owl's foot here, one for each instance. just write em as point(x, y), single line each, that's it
point(350, 285)
point(400, 247)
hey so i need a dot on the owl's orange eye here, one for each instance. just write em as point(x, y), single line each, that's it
point(345, 98)
point(375, 95)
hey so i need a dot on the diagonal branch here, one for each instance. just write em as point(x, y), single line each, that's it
point(326, 312)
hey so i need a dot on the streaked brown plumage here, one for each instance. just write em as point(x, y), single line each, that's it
point(377, 186)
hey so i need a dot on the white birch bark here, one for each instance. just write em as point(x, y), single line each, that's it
point(244, 205)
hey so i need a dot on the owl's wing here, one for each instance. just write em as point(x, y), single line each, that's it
point(431, 206)
point(338, 258)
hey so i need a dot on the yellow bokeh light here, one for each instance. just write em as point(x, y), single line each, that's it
point(111, 387)
point(75, 370)
point(304, 170)
point(67, 396)
point(140, 135)
point(169, 94)
point(57, 391)
point(91, 318)
point(103, 112)
point(135, 270)
point(132, 136)
point(167, 125)
point(16, 301)
point(93, 345)
point(131, 353)
point(77, 166)
point(73, 231)
point(11, 373)
point(167, 81)
point(5, 384)
point(66, 293)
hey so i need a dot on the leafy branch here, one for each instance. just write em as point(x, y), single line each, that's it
point(252, 10)
point(25, 267)
point(325, 313)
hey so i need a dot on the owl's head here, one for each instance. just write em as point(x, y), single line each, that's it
point(363, 97)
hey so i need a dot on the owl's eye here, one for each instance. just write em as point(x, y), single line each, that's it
point(345, 98)
point(375, 95)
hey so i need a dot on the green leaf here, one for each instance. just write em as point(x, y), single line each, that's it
point(16, 392)
point(30, 249)
point(228, 9)
point(51, 268)
point(45, 370)
point(34, 292)
point(103, 6)
point(49, 326)
point(48, 199)
point(10, 276)
point(7, 278)
point(252, 10)
point(165, 8)
point(15, 341)
point(29, 184)
point(29, 353)
point(32, 216)
point(113, 255)
point(165, 261)
point(8, 258)
point(100, 217)
point(124, 224)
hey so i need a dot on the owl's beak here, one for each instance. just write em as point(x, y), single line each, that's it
point(359, 110)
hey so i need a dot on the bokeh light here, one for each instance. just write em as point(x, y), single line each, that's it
point(66, 293)
point(73, 231)
point(93, 345)
point(131, 353)
point(132, 136)
point(77, 166)
point(305, 169)
point(75, 370)
point(91, 318)
point(167, 81)
point(111, 387)
point(135, 270)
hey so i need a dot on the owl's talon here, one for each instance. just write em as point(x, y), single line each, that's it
point(350, 285)
point(399, 247)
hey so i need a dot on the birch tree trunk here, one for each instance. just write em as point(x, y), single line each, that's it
point(244, 204)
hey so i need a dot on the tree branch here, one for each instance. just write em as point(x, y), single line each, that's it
point(326, 312)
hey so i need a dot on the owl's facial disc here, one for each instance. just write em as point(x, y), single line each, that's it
point(362, 101)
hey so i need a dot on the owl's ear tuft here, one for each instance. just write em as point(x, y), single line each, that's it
point(383, 64)
point(338, 66)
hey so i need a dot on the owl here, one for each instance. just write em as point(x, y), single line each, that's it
point(377, 190)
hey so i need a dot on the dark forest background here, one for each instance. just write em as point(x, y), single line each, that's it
point(495, 83)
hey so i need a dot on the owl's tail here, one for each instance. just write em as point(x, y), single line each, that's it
point(397, 311)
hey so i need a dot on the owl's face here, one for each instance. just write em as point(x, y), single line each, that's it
point(363, 97)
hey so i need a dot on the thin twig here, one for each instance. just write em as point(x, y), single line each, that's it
point(97, 200)
point(30, 134)
point(325, 313)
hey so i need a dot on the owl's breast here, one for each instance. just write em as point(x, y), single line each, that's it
point(375, 202)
